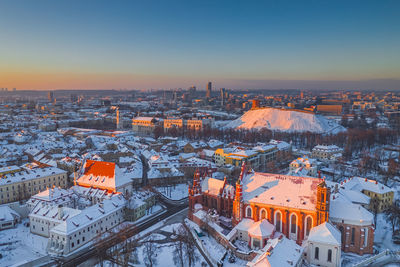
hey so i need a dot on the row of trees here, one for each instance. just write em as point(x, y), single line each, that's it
point(353, 140)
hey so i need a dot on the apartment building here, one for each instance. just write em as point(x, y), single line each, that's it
point(26, 183)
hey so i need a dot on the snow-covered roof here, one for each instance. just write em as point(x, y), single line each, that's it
point(327, 148)
point(341, 208)
point(9, 169)
point(278, 252)
point(359, 184)
point(7, 214)
point(89, 215)
point(281, 190)
point(52, 194)
point(262, 228)
point(51, 212)
point(325, 233)
point(214, 186)
point(29, 175)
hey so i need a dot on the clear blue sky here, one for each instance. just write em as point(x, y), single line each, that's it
point(236, 44)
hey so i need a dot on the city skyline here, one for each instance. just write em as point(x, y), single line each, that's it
point(259, 45)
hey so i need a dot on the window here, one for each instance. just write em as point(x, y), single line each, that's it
point(293, 224)
point(248, 212)
point(329, 255)
point(308, 225)
point(263, 214)
point(278, 221)
point(365, 237)
point(316, 254)
point(353, 235)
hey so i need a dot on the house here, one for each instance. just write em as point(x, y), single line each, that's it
point(8, 217)
point(326, 152)
point(324, 246)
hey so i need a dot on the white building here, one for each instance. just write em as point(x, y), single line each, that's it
point(8, 217)
point(77, 231)
point(303, 167)
point(53, 197)
point(325, 152)
point(324, 246)
point(45, 217)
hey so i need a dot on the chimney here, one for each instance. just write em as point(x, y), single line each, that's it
point(60, 212)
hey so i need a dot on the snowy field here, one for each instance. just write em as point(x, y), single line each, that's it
point(18, 244)
point(176, 192)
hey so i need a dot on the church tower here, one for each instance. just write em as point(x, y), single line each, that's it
point(195, 192)
point(238, 201)
point(323, 198)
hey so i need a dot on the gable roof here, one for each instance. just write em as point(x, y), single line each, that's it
point(325, 233)
point(281, 190)
point(99, 174)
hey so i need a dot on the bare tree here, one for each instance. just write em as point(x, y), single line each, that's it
point(185, 250)
point(393, 215)
point(150, 253)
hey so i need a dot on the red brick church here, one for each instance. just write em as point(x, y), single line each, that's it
point(293, 205)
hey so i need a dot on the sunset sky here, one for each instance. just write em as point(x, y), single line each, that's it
point(82, 44)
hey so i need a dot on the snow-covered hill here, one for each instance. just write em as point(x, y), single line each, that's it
point(285, 120)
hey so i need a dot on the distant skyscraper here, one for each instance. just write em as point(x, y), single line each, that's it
point(222, 96)
point(50, 96)
point(209, 87)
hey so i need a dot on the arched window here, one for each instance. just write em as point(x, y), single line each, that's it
point(278, 221)
point(308, 225)
point(341, 229)
point(248, 212)
point(316, 255)
point(329, 255)
point(263, 214)
point(293, 223)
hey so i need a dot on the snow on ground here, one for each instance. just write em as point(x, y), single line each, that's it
point(18, 244)
point(170, 228)
point(383, 235)
point(285, 120)
point(215, 250)
point(177, 192)
point(165, 256)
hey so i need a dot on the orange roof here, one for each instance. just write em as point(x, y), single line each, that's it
point(99, 168)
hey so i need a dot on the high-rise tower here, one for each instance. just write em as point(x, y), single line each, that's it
point(209, 87)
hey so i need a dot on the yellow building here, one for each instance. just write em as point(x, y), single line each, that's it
point(373, 189)
point(143, 125)
point(236, 157)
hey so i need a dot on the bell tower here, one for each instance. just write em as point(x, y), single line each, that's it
point(323, 198)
